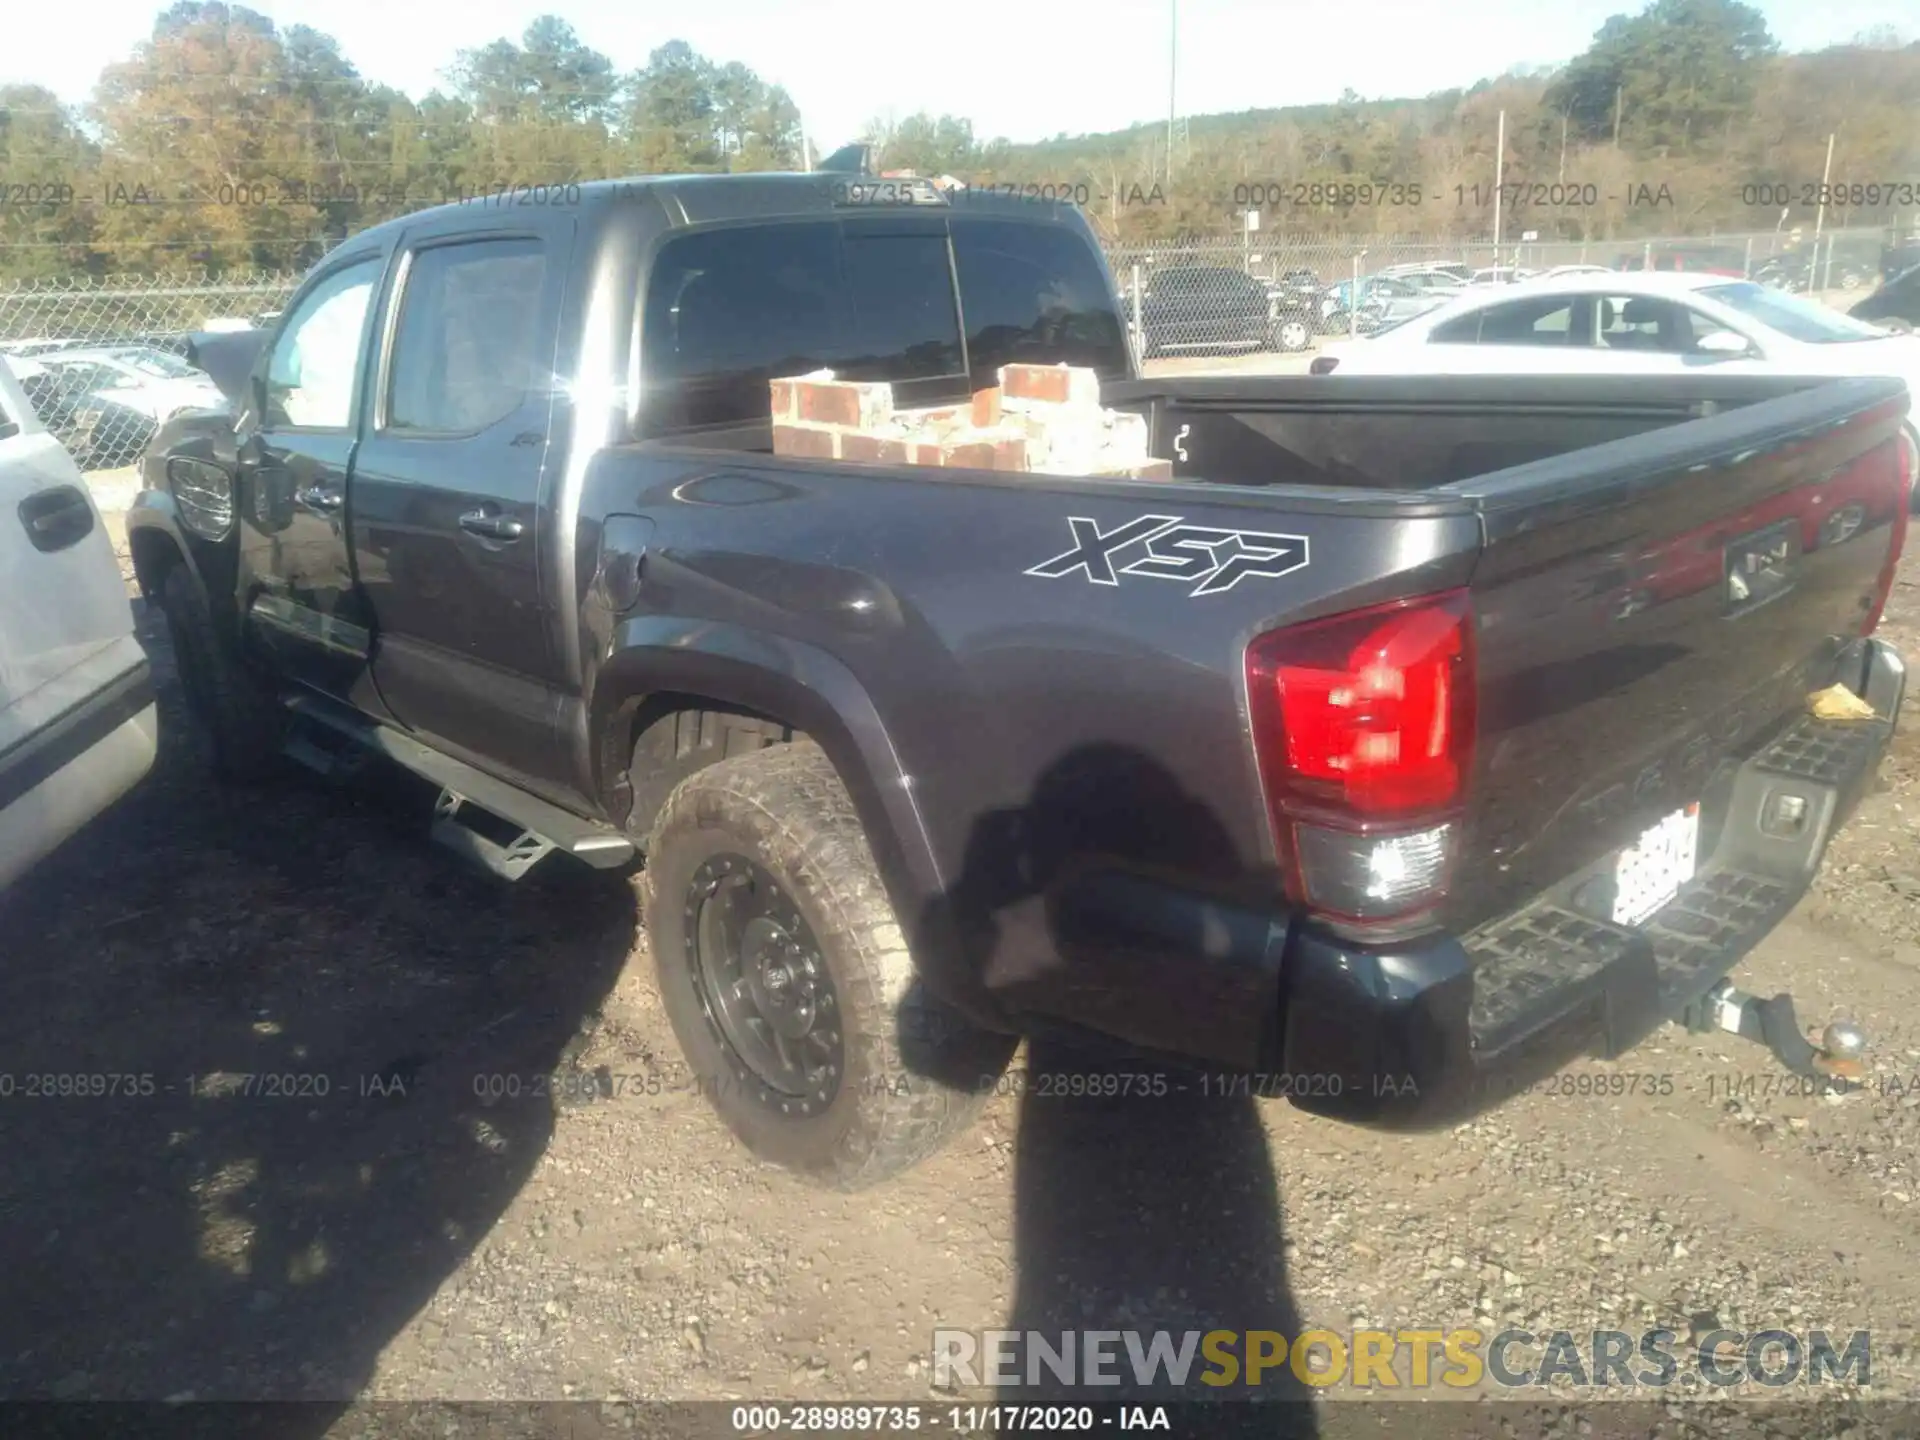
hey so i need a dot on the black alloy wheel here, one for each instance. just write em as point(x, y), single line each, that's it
point(763, 986)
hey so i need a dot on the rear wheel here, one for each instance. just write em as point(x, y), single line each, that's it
point(240, 721)
point(785, 974)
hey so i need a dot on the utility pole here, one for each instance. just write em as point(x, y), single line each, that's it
point(1563, 149)
point(1619, 92)
point(1820, 218)
point(1173, 56)
point(1499, 176)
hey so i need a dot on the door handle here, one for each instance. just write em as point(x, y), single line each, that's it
point(56, 518)
point(491, 525)
point(318, 497)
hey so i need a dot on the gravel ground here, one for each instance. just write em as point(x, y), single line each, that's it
point(420, 1205)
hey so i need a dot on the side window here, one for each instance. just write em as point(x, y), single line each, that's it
point(315, 360)
point(467, 347)
point(1530, 322)
point(1034, 292)
point(1464, 331)
point(1695, 327)
point(729, 310)
point(1634, 322)
point(903, 321)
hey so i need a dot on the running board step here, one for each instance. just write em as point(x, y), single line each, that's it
point(508, 859)
point(543, 828)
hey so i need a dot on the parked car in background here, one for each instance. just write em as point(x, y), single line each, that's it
point(1895, 305)
point(114, 399)
point(78, 725)
point(1390, 296)
point(1196, 307)
point(1304, 291)
point(1645, 324)
point(1390, 299)
point(1799, 271)
point(1575, 270)
point(1458, 270)
point(1691, 259)
point(1900, 250)
point(1499, 275)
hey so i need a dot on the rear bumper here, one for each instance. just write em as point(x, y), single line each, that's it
point(1427, 1034)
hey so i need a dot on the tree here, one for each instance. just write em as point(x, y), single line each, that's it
point(551, 77)
point(1678, 71)
point(670, 121)
point(46, 224)
point(932, 147)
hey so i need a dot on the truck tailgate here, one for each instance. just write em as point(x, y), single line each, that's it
point(1650, 613)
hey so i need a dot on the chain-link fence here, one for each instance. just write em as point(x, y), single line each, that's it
point(100, 359)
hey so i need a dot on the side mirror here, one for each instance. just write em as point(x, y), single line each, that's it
point(1723, 343)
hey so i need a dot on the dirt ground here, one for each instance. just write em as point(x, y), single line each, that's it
point(414, 1203)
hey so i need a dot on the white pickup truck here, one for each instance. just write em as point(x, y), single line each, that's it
point(78, 726)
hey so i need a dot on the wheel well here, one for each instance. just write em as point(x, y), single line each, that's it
point(154, 555)
point(658, 740)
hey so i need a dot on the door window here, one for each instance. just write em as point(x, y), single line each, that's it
point(315, 362)
point(1541, 321)
point(468, 348)
point(1642, 325)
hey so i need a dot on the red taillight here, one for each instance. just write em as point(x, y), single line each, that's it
point(1363, 729)
point(1370, 713)
point(1907, 465)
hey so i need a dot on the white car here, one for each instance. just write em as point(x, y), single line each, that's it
point(1641, 323)
point(1558, 270)
point(78, 726)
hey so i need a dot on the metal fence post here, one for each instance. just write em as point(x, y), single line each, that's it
point(1747, 268)
point(1353, 300)
point(1139, 328)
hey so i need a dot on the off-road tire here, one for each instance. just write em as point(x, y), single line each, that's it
point(238, 715)
point(915, 1072)
point(1291, 334)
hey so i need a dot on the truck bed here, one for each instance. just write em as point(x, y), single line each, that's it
point(1385, 433)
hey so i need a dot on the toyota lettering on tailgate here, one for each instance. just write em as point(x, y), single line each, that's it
point(1166, 547)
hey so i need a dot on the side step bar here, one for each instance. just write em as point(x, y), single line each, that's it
point(543, 828)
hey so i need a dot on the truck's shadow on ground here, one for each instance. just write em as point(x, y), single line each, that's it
point(163, 1236)
point(1145, 1199)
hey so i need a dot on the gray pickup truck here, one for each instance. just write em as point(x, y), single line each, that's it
point(1416, 738)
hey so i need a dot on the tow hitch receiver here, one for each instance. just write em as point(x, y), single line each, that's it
point(1773, 1024)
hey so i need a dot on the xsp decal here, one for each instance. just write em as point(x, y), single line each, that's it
point(1180, 442)
point(1165, 547)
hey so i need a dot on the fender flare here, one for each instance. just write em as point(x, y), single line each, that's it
point(155, 512)
point(792, 681)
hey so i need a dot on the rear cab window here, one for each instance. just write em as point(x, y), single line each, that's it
point(935, 305)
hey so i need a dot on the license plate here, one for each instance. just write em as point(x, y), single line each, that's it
point(1650, 872)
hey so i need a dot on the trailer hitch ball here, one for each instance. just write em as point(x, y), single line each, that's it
point(1843, 1040)
point(1772, 1023)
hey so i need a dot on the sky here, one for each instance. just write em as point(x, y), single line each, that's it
point(1053, 66)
